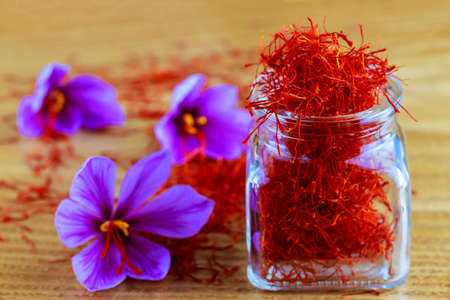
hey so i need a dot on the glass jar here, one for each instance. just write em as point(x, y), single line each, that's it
point(328, 201)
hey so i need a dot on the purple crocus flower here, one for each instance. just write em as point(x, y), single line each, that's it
point(65, 106)
point(205, 121)
point(117, 248)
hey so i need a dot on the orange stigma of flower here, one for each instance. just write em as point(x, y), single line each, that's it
point(55, 102)
point(190, 124)
point(113, 231)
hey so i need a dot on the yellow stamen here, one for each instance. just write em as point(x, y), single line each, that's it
point(190, 125)
point(201, 120)
point(118, 223)
point(104, 227)
point(56, 101)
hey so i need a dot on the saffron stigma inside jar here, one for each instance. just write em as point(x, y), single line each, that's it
point(328, 200)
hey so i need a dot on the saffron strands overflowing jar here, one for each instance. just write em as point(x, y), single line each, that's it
point(328, 189)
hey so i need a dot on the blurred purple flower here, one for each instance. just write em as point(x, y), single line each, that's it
point(205, 121)
point(64, 107)
point(117, 249)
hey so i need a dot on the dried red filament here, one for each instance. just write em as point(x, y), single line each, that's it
point(319, 214)
point(309, 73)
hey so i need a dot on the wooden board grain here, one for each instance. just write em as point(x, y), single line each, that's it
point(417, 34)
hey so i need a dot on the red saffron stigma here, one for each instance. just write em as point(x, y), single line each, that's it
point(117, 231)
point(119, 241)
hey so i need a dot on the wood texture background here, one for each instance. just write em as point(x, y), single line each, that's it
point(417, 34)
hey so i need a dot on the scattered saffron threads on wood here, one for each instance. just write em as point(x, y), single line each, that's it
point(32, 245)
point(9, 122)
point(58, 260)
point(24, 227)
point(50, 159)
point(320, 215)
point(28, 200)
point(10, 140)
point(144, 85)
point(356, 293)
point(86, 293)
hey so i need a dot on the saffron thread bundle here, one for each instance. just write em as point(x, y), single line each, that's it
point(315, 214)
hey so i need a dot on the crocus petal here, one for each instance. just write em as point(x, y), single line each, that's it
point(97, 273)
point(142, 181)
point(75, 224)
point(27, 121)
point(217, 99)
point(189, 143)
point(225, 133)
point(168, 135)
point(96, 99)
point(152, 259)
point(94, 184)
point(49, 79)
point(227, 127)
point(187, 90)
point(179, 212)
point(69, 120)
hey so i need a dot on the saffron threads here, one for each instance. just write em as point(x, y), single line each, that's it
point(50, 158)
point(27, 200)
point(318, 214)
point(309, 73)
point(32, 245)
point(223, 181)
point(310, 217)
point(144, 85)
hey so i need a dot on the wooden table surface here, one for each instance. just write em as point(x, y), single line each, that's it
point(416, 33)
